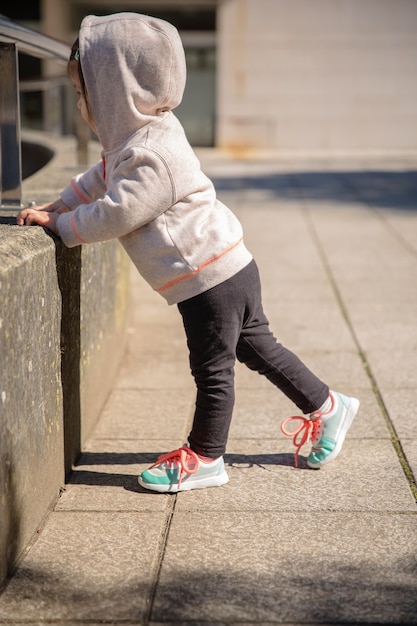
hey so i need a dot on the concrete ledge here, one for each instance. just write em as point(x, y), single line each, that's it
point(31, 417)
point(62, 330)
point(93, 285)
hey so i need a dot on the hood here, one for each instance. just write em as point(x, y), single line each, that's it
point(134, 69)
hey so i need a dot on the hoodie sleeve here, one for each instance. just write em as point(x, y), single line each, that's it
point(86, 187)
point(139, 190)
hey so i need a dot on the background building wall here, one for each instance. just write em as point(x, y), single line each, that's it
point(317, 75)
point(287, 75)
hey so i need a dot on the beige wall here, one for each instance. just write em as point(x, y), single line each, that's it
point(297, 75)
point(305, 75)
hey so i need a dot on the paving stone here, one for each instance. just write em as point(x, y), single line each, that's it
point(94, 566)
point(156, 357)
point(366, 477)
point(396, 371)
point(339, 369)
point(140, 413)
point(105, 477)
point(291, 568)
point(259, 412)
point(325, 329)
point(401, 405)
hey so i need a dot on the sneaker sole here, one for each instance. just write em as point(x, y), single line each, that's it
point(350, 416)
point(187, 485)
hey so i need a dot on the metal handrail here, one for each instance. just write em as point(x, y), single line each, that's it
point(31, 41)
point(15, 38)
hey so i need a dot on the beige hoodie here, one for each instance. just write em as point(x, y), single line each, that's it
point(149, 190)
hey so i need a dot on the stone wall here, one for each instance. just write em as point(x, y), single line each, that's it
point(31, 415)
point(62, 333)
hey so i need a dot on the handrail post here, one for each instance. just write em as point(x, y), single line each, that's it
point(14, 39)
point(10, 146)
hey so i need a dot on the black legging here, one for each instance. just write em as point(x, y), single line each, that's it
point(225, 323)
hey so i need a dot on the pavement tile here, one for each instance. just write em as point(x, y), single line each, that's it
point(156, 358)
point(323, 329)
point(290, 567)
point(404, 223)
point(86, 566)
point(141, 413)
point(282, 290)
point(368, 258)
point(258, 414)
point(105, 477)
point(373, 286)
point(147, 314)
point(347, 224)
point(277, 264)
point(118, 493)
point(401, 405)
point(374, 322)
point(366, 477)
point(399, 371)
point(147, 305)
point(341, 370)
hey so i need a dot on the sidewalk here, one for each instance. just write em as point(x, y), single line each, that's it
point(336, 244)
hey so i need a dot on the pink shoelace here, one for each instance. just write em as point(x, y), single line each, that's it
point(308, 430)
point(187, 461)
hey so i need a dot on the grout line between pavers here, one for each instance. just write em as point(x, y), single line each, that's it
point(159, 560)
point(395, 440)
point(350, 185)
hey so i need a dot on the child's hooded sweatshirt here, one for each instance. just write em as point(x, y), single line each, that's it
point(148, 191)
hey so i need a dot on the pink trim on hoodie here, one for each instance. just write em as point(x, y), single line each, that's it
point(75, 231)
point(78, 192)
point(199, 268)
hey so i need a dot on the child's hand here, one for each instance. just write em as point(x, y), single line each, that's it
point(44, 215)
point(35, 215)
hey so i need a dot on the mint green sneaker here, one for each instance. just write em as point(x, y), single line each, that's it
point(326, 431)
point(181, 470)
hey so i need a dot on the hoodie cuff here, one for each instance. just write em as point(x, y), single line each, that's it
point(68, 231)
point(70, 197)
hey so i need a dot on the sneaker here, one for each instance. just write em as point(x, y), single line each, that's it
point(181, 470)
point(326, 431)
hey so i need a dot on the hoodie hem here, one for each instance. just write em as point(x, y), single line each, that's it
point(208, 275)
point(201, 267)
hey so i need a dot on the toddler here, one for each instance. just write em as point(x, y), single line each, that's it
point(149, 192)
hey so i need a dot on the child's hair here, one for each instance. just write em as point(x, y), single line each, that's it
point(74, 69)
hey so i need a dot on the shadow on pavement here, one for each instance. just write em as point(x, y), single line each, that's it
point(381, 189)
point(290, 591)
point(93, 477)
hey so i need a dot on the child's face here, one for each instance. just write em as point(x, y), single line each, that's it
point(81, 103)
